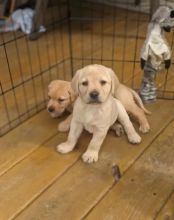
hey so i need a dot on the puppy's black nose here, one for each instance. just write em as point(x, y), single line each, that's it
point(51, 109)
point(94, 95)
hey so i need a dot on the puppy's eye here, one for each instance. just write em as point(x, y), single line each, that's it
point(85, 83)
point(103, 82)
point(49, 97)
point(61, 100)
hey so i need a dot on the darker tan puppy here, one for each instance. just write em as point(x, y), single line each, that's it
point(133, 105)
point(61, 99)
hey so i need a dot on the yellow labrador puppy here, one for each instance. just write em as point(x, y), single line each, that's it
point(61, 99)
point(129, 98)
point(96, 110)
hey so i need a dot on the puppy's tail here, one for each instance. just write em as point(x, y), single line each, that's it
point(139, 102)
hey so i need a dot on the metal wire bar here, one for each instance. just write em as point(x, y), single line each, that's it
point(70, 37)
point(6, 108)
point(11, 79)
point(55, 42)
point(135, 50)
point(33, 77)
point(102, 30)
point(62, 41)
point(113, 38)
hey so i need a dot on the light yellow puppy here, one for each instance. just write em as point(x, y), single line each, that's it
point(62, 98)
point(96, 110)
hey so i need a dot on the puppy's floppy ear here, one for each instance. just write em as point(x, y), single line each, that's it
point(72, 94)
point(52, 83)
point(114, 80)
point(75, 82)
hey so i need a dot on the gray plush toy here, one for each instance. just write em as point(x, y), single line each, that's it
point(156, 53)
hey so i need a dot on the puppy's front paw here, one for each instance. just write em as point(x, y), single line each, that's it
point(134, 138)
point(144, 128)
point(90, 156)
point(64, 148)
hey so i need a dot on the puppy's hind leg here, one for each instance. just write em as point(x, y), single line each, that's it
point(74, 133)
point(139, 114)
point(123, 118)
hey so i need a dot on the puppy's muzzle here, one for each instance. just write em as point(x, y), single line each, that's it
point(94, 95)
point(51, 109)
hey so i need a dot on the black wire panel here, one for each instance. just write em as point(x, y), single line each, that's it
point(27, 67)
point(108, 32)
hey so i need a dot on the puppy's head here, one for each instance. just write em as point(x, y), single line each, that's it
point(94, 83)
point(60, 96)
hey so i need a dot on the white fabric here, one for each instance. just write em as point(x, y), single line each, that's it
point(21, 19)
point(24, 19)
point(156, 48)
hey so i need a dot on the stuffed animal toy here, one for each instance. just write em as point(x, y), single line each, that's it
point(156, 53)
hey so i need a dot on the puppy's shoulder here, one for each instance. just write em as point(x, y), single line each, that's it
point(116, 102)
point(78, 104)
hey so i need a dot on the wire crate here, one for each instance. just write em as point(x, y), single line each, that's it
point(78, 33)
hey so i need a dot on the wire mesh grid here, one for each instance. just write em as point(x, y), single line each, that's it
point(78, 33)
point(27, 67)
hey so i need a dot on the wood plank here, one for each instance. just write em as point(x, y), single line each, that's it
point(20, 142)
point(36, 173)
point(73, 194)
point(83, 186)
point(167, 212)
point(146, 186)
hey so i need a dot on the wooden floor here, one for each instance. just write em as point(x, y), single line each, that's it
point(36, 182)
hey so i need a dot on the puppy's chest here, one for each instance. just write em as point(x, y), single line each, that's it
point(93, 120)
point(91, 128)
